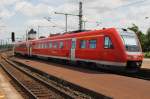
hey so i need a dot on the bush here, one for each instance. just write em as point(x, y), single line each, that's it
point(147, 54)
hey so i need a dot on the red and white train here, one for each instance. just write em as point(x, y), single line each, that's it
point(109, 46)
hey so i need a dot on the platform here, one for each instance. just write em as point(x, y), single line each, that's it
point(146, 63)
point(2, 95)
point(7, 91)
point(115, 86)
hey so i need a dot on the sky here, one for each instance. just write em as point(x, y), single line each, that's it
point(21, 15)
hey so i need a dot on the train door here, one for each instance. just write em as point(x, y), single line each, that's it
point(73, 47)
point(109, 50)
point(30, 50)
point(29, 47)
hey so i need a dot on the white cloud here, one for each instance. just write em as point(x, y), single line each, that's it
point(45, 23)
point(118, 13)
point(67, 8)
point(37, 22)
point(5, 13)
point(8, 2)
point(29, 9)
point(45, 27)
point(109, 12)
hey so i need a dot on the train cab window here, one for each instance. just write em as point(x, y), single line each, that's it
point(50, 44)
point(92, 44)
point(108, 42)
point(61, 45)
point(83, 44)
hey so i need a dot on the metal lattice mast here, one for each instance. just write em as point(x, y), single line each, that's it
point(80, 16)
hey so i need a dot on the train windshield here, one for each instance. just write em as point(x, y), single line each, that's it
point(130, 41)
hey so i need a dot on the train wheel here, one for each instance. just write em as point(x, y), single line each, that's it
point(133, 66)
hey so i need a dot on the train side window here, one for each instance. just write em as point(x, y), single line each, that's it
point(37, 45)
point(55, 45)
point(92, 43)
point(45, 45)
point(41, 45)
point(50, 44)
point(61, 45)
point(73, 46)
point(107, 42)
point(83, 44)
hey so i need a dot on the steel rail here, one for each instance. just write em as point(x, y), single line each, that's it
point(37, 79)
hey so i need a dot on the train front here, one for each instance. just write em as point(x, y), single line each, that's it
point(133, 49)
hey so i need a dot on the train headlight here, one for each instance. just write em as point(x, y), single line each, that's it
point(130, 57)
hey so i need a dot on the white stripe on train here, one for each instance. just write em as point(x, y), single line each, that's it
point(85, 60)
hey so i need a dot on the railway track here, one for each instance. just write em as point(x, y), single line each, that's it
point(38, 86)
point(34, 88)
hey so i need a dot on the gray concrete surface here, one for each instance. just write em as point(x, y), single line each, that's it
point(7, 91)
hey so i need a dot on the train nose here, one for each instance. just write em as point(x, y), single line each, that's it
point(135, 57)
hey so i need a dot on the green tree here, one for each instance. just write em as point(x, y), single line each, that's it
point(147, 40)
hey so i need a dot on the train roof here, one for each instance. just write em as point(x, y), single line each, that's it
point(73, 34)
point(80, 33)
